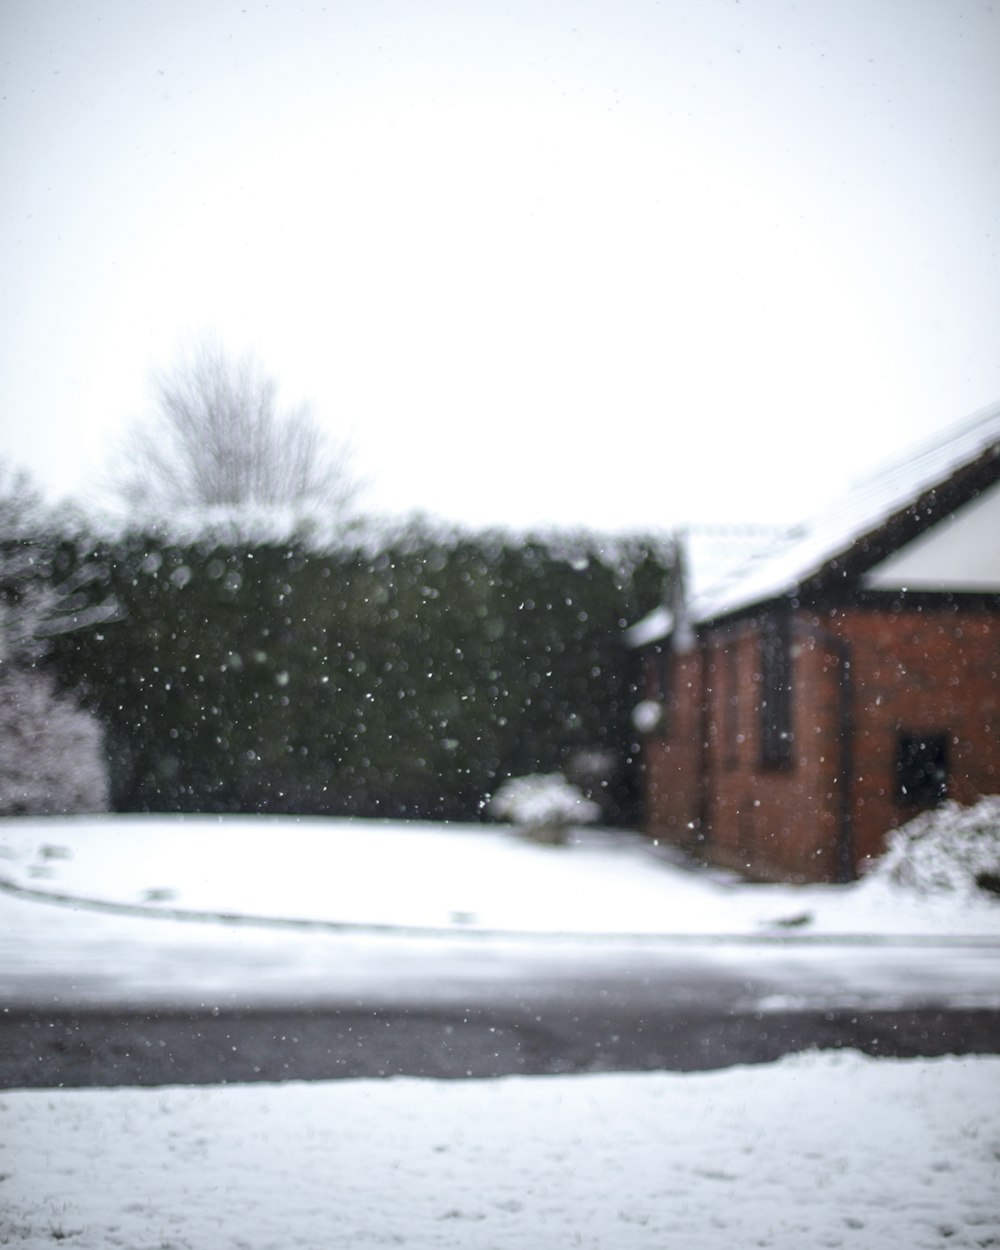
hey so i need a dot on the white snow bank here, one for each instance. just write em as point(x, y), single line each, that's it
point(817, 1150)
point(951, 850)
point(455, 878)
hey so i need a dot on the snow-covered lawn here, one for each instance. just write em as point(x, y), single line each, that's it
point(814, 1151)
point(448, 878)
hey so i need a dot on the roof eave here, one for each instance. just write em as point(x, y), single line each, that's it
point(845, 570)
point(841, 573)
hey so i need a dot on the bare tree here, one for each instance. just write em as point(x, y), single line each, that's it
point(217, 437)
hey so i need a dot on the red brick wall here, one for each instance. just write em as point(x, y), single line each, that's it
point(930, 671)
point(772, 822)
point(670, 757)
point(936, 670)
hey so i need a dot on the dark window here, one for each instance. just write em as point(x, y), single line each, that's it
point(776, 693)
point(922, 769)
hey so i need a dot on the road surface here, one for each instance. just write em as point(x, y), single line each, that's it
point(100, 1047)
point(92, 999)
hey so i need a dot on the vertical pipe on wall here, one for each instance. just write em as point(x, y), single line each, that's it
point(845, 869)
point(705, 779)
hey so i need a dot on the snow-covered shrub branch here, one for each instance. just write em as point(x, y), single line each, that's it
point(51, 751)
point(545, 806)
point(950, 849)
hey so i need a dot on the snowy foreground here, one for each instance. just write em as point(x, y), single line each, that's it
point(830, 1149)
point(817, 1150)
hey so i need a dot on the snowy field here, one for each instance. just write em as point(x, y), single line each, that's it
point(831, 1149)
point(445, 878)
point(815, 1151)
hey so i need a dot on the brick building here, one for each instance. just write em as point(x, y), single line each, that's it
point(839, 682)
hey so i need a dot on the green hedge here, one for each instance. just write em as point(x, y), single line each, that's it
point(403, 674)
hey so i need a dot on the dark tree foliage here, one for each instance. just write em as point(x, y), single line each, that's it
point(405, 681)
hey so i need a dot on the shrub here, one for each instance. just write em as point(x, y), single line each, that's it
point(948, 849)
point(544, 806)
point(51, 752)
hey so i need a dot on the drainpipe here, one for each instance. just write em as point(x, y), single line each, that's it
point(845, 826)
point(704, 750)
point(844, 859)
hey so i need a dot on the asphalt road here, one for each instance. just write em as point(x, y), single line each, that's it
point(76, 1048)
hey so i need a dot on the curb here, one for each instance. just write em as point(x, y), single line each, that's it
point(458, 929)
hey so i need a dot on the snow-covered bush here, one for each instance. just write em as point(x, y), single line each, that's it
point(544, 806)
point(51, 757)
point(948, 849)
point(51, 752)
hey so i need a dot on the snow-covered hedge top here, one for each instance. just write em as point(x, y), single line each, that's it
point(542, 799)
point(951, 849)
point(211, 528)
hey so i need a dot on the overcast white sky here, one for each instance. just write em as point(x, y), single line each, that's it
point(614, 264)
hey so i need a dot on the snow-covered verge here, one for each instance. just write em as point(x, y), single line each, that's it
point(816, 1150)
point(449, 878)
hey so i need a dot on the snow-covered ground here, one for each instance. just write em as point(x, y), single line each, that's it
point(816, 1150)
point(450, 879)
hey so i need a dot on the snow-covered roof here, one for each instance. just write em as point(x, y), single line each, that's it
point(780, 568)
point(709, 551)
